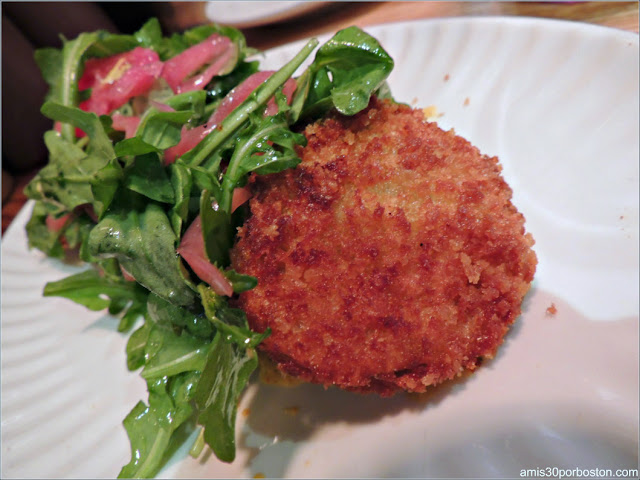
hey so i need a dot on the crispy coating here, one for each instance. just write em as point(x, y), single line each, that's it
point(390, 259)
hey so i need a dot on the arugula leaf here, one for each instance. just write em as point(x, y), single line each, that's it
point(162, 129)
point(223, 379)
point(131, 315)
point(95, 291)
point(62, 71)
point(134, 146)
point(169, 354)
point(148, 177)
point(77, 230)
point(104, 186)
point(150, 428)
point(257, 151)
point(182, 184)
point(74, 232)
point(232, 322)
point(223, 84)
point(171, 316)
point(73, 178)
point(240, 282)
point(99, 291)
point(150, 34)
point(346, 71)
point(144, 243)
point(111, 44)
point(204, 179)
point(136, 346)
point(40, 236)
point(384, 92)
point(231, 361)
point(216, 230)
point(50, 63)
point(193, 101)
point(157, 132)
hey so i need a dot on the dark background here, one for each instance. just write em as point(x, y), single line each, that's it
point(27, 26)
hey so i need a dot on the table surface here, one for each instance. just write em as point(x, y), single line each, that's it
point(331, 16)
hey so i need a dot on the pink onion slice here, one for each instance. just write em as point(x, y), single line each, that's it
point(192, 250)
point(226, 60)
point(56, 224)
point(238, 95)
point(192, 136)
point(137, 71)
point(178, 68)
point(189, 138)
point(126, 124)
point(240, 196)
point(126, 275)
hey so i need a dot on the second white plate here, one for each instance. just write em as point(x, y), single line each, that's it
point(244, 14)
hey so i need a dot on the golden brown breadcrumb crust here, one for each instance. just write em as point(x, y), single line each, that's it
point(390, 258)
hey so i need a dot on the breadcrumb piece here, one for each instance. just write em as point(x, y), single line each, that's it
point(552, 310)
point(466, 102)
point(271, 375)
point(446, 77)
point(293, 411)
point(431, 113)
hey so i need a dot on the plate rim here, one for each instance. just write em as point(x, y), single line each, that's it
point(12, 230)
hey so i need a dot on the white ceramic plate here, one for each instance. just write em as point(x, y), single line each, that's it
point(245, 14)
point(558, 103)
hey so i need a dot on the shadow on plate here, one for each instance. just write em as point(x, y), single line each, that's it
point(279, 418)
point(544, 442)
point(557, 394)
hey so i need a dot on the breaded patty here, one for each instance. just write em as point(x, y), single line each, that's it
point(390, 258)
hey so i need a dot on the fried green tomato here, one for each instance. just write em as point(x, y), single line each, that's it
point(390, 259)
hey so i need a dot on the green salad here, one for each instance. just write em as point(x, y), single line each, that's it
point(153, 139)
